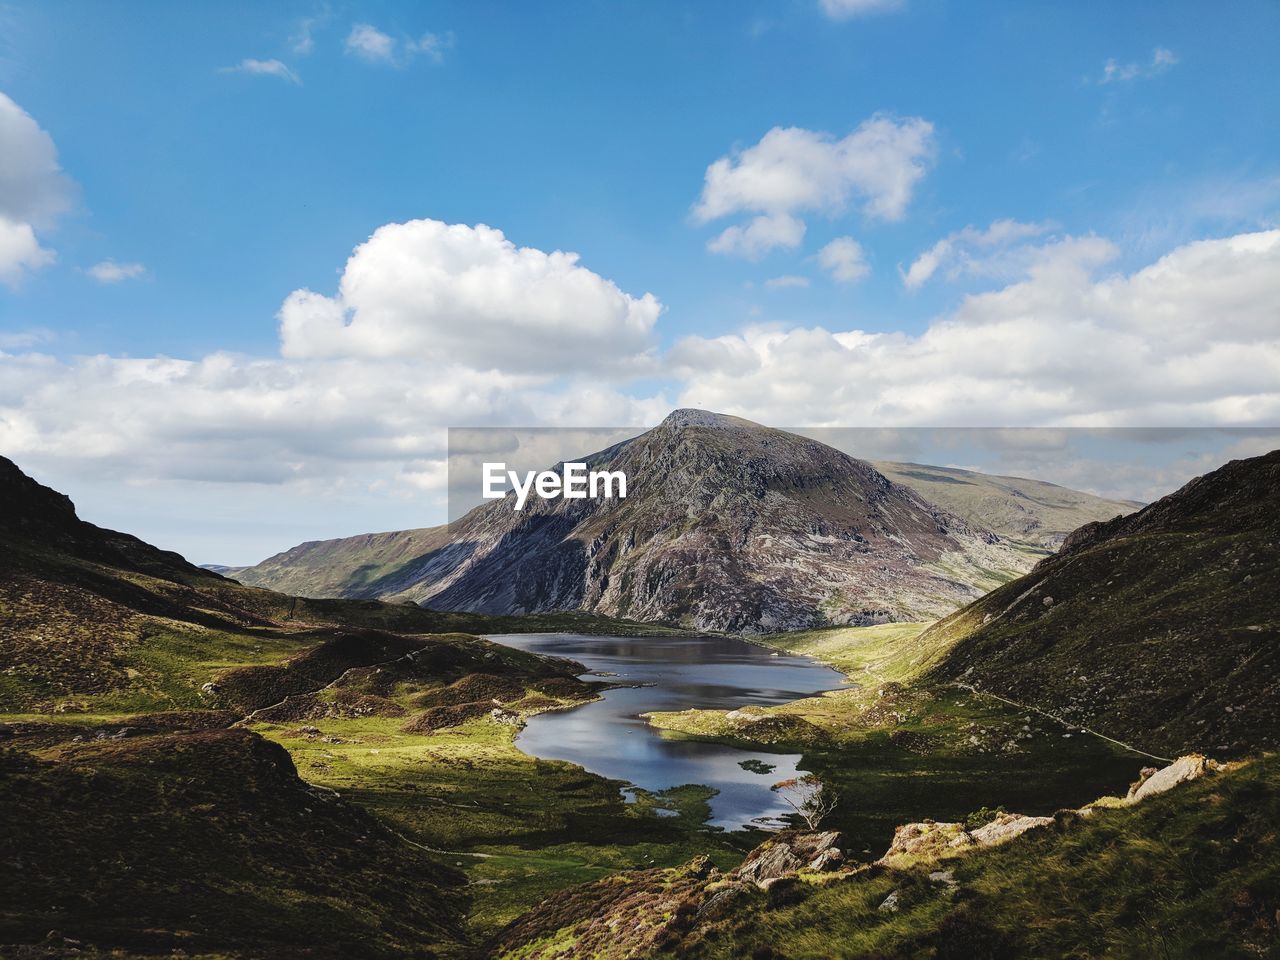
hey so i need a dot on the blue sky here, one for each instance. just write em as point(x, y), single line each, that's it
point(1106, 137)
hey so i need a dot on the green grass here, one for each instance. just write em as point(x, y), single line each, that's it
point(1191, 874)
point(521, 827)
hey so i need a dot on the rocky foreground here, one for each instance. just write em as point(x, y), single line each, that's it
point(689, 910)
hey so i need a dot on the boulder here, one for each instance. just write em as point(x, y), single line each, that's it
point(1004, 828)
point(1182, 770)
point(788, 852)
point(925, 839)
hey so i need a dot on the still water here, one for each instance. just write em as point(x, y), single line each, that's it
point(608, 737)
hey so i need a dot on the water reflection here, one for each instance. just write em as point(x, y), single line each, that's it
point(609, 738)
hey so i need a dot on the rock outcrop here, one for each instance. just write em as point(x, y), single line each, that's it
point(1182, 770)
point(789, 852)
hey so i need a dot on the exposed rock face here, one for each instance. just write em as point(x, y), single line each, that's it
point(1005, 827)
point(788, 852)
point(1180, 771)
point(727, 525)
point(924, 839)
point(1158, 629)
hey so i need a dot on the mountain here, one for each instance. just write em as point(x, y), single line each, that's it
point(728, 525)
point(1161, 628)
point(1032, 513)
point(141, 816)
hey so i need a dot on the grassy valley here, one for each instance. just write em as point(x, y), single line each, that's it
point(199, 765)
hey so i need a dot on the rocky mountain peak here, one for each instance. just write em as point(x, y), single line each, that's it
point(727, 525)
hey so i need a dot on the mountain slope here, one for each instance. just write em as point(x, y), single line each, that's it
point(367, 565)
point(93, 619)
point(728, 526)
point(141, 815)
point(1161, 628)
point(206, 842)
point(1022, 511)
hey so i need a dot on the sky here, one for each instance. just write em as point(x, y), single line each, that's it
point(255, 259)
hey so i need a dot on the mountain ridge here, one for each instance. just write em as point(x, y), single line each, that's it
point(1161, 627)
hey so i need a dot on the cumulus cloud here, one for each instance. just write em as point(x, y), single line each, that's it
point(369, 378)
point(264, 68)
point(370, 44)
point(456, 294)
point(1191, 339)
point(986, 252)
point(33, 192)
point(1114, 71)
point(109, 271)
point(845, 260)
point(847, 9)
point(756, 238)
point(793, 170)
point(20, 252)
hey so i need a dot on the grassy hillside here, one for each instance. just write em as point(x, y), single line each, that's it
point(1192, 873)
point(362, 566)
point(208, 842)
point(149, 806)
point(1161, 628)
point(1029, 512)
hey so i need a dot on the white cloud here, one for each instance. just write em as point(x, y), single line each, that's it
point(370, 44)
point(436, 325)
point(845, 260)
point(456, 294)
point(264, 68)
point(109, 271)
point(432, 45)
point(846, 9)
point(1115, 72)
point(987, 252)
point(1191, 339)
point(20, 252)
point(759, 236)
point(33, 192)
point(793, 170)
point(784, 282)
point(303, 40)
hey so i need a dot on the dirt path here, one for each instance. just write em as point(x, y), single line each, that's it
point(1062, 720)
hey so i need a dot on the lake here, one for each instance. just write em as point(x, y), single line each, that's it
point(608, 737)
